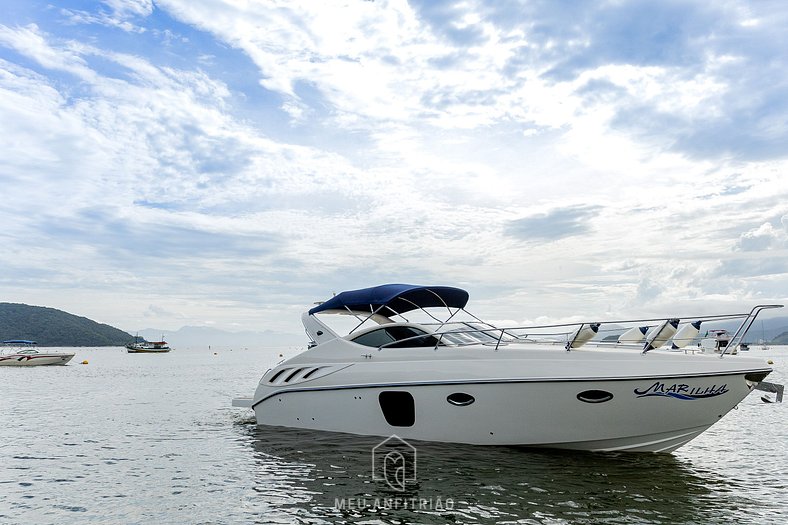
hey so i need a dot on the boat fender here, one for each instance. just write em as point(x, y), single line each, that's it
point(687, 333)
point(634, 335)
point(661, 334)
point(583, 335)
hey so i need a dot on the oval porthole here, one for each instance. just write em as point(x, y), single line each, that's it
point(460, 399)
point(594, 396)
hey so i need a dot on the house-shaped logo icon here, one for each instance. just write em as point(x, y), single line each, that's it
point(394, 461)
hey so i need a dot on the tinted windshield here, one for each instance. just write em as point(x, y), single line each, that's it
point(392, 337)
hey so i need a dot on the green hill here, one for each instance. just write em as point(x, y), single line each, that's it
point(51, 327)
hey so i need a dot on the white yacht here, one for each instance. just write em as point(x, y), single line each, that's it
point(413, 362)
point(20, 352)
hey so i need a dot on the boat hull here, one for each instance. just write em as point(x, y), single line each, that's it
point(147, 350)
point(645, 414)
point(444, 375)
point(34, 359)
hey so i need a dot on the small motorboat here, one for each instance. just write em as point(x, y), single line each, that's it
point(413, 362)
point(716, 341)
point(148, 347)
point(20, 352)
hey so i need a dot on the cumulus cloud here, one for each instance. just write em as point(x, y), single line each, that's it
point(130, 7)
point(290, 149)
point(30, 42)
point(647, 291)
point(749, 268)
point(468, 66)
point(117, 14)
point(554, 224)
point(764, 237)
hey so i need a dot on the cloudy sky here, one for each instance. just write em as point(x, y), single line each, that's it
point(226, 163)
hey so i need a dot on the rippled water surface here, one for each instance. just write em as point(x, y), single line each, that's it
point(152, 439)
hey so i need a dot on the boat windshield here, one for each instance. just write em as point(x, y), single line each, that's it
point(393, 336)
point(467, 333)
point(18, 346)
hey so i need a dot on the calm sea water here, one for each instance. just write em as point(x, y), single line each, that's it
point(152, 439)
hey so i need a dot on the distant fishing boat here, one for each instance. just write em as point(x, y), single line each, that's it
point(21, 352)
point(148, 347)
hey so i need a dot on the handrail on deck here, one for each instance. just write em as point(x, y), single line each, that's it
point(508, 335)
point(742, 331)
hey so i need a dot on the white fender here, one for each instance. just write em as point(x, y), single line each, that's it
point(661, 334)
point(686, 334)
point(583, 335)
point(634, 335)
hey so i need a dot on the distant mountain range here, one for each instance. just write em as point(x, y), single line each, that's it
point(203, 337)
point(51, 327)
point(781, 339)
point(771, 330)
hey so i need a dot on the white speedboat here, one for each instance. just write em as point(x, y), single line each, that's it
point(18, 352)
point(416, 364)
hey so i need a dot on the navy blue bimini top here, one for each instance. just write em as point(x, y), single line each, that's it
point(389, 299)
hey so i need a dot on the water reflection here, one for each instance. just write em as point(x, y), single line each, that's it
point(313, 473)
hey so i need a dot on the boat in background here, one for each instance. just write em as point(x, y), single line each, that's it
point(763, 341)
point(717, 340)
point(148, 347)
point(411, 361)
point(21, 352)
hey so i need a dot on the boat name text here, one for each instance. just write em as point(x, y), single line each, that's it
point(682, 391)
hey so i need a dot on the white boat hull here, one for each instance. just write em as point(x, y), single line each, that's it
point(648, 414)
point(34, 359)
point(445, 375)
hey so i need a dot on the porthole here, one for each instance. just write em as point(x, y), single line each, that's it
point(594, 396)
point(460, 399)
point(398, 408)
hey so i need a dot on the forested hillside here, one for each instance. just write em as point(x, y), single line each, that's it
point(51, 327)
